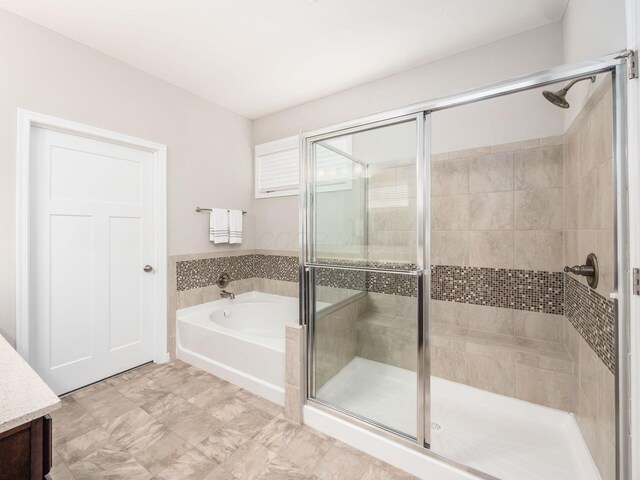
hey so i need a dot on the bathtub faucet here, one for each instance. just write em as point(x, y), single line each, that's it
point(225, 294)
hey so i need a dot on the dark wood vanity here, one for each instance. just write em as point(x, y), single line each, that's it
point(25, 451)
point(25, 424)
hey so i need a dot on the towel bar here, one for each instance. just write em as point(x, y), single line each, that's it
point(198, 209)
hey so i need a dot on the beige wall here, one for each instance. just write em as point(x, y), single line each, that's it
point(277, 219)
point(591, 29)
point(50, 74)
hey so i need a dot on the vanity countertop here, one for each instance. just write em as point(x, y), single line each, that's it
point(23, 394)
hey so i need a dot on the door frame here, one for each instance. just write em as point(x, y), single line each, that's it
point(26, 121)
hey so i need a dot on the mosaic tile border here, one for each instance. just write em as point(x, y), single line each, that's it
point(594, 317)
point(203, 272)
point(337, 278)
point(517, 289)
point(528, 290)
point(276, 267)
point(367, 264)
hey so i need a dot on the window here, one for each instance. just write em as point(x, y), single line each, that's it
point(277, 168)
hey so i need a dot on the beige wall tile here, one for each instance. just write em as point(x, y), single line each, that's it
point(242, 286)
point(336, 341)
point(406, 307)
point(450, 212)
point(267, 285)
point(550, 141)
point(561, 363)
point(287, 289)
point(449, 364)
point(572, 342)
point(588, 369)
point(539, 326)
point(470, 152)
point(544, 387)
point(450, 248)
point(571, 247)
point(491, 319)
point(492, 249)
point(605, 253)
point(599, 133)
point(588, 201)
point(381, 302)
point(399, 351)
point(293, 404)
point(292, 362)
point(381, 219)
point(491, 211)
point(538, 168)
point(605, 424)
point(572, 206)
point(539, 209)
point(211, 293)
point(450, 177)
point(586, 417)
point(605, 195)
point(491, 374)
point(571, 155)
point(449, 313)
point(538, 250)
point(491, 173)
point(189, 298)
point(514, 146)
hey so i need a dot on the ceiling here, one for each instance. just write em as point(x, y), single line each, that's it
point(257, 57)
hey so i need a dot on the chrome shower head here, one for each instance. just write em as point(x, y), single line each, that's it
point(559, 98)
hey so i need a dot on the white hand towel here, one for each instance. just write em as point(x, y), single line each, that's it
point(235, 226)
point(219, 226)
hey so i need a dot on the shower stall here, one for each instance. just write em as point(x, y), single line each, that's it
point(436, 309)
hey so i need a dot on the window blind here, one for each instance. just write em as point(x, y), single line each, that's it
point(278, 171)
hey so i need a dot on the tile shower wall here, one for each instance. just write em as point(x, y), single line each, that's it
point(392, 218)
point(497, 289)
point(499, 206)
point(590, 325)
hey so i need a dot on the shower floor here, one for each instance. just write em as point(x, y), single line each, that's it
point(508, 438)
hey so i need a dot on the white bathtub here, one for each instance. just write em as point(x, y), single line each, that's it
point(241, 340)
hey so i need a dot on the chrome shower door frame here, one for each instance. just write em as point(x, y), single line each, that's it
point(308, 265)
point(616, 65)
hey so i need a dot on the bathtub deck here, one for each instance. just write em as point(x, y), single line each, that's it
point(175, 421)
point(508, 438)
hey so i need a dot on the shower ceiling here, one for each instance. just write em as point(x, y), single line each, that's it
point(257, 57)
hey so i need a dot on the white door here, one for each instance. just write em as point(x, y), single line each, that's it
point(91, 238)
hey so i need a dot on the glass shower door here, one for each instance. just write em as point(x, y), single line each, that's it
point(366, 281)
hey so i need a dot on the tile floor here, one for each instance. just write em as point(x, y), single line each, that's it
point(175, 421)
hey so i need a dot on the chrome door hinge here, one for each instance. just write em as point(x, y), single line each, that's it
point(635, 287)
point(632, 63)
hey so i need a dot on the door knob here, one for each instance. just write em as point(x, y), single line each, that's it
point(148, 268)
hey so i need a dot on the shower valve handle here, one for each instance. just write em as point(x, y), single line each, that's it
point(582, 270)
